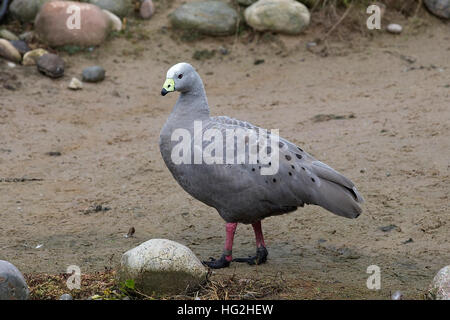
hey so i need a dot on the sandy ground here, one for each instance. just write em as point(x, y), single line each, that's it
point(395, 148)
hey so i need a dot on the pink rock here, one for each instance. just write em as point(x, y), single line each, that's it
point(62, 23)
point(147, 9)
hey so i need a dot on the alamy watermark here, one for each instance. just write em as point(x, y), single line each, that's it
point(227, 146)
point(374, 280)
point(74, 280)
point(73, 22)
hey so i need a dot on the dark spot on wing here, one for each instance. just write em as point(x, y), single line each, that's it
point(300, 149)
point(280, 144)
point(298, 155)
point(288, 157)
point(313, 180)
point(274, 180)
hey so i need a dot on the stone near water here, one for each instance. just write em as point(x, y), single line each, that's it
point(162, 266)
point(51, 65)
point(21, 46)
point(120, 8)
point(440, 8)
point(7, 35)
point(147, 9)
point(94, 74)
point(215, 18)
point(440, 287)
point(51, 25)
point(285, 16)
point(12, 283)
point(30, 58)
point(394, 28)
point(8, 51)
point(115, 22)
point(75, 84)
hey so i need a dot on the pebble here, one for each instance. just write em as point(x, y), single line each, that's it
point(440, 8)
point(75, 84)
point(394, 28)
point(51, 65)
point(397, 295)
point(94, 74)
point(285, 16)
point(440, 287)
point(8, 35)
point(30, 58)
point(8, 51)
point(21, 46)
point(116, 23)
point(66, 296)
point(147, 9)
point(215, 18)
point(120, 8)
point(12, 283)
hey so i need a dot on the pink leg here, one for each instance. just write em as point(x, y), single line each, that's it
point(258, 234)
point(230, 231)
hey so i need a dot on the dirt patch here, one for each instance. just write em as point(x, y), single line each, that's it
point(395, 148)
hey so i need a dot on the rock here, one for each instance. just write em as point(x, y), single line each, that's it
point(394, 28)
point(94, 74)
point(8, 51)
point(75, 84)
point(162, 266)
point(285, 16)
point(147, 9)
point(51, 65)
point(246, 3)
point(66, 296)
point(120, 8)
point(8, 35)
point(397, 295)
point(12, 283)
point(30, 58)
point(27, 36)
point(214, 18)
point(21, 46)
point(26, 10)
point(114, 21)
point(440, 287)
point(440, 8)
point(51, 25)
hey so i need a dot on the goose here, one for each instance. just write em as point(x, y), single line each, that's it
point(243, 191)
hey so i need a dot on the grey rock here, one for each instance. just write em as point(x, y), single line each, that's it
point(21, 46)
point(120, 8)
point(440, 287)
point(214, 18)
point(66, 296)
point(8, 35)
point(51, 65)
point(12, 283)
point(26, 10)
point(285, 16)
point(94, 74)
point(162, 266)
point(440, 8)
point(397, 295)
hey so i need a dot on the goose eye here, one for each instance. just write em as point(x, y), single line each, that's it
point(180, 76)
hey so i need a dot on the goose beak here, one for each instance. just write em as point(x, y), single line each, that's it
point(168, 86)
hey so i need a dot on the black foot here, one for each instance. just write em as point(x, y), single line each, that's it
point(217, 264)
point(260, 258)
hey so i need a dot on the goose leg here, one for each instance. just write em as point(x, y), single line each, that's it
point(225, 259)
point(261, 251)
